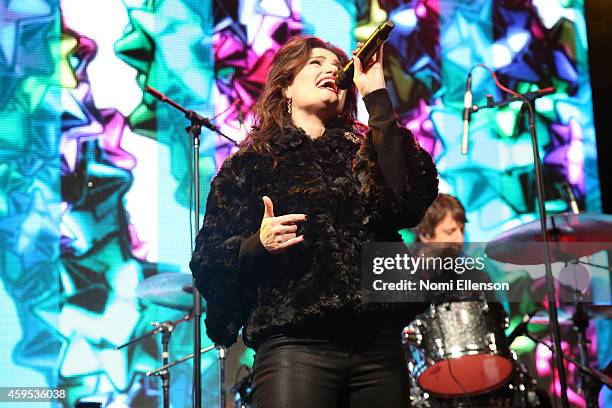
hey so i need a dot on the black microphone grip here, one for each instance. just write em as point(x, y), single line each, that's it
point(344, 77)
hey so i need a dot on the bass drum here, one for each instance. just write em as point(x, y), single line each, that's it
point(520, 391)
point(458, 349)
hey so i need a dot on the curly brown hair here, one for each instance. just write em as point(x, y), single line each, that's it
point(270, 111)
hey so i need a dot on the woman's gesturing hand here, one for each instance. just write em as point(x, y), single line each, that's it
point(278, 233)
point(371, 77)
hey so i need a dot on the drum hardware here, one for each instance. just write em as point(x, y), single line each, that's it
point(589, 386)
point(574, 235)
point(175, 291)
point(163, 370)
point(590, 379)
point(598, 311)
point(458, 349)
point(581, 323)
point(172, 290)
point(242, 389)
point(608, 268)
point(592, 373)
point(483, 299)
point(521, 327)
point(594, 312)
point(541, 318)
point(412, 336)
point(590, 383)
point(158, 370)
point(416, 334)
point(165, 328)
point(525, 387)
point(520, 389)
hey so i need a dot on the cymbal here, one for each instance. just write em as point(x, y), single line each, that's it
point(572, 236)
point(173, 290)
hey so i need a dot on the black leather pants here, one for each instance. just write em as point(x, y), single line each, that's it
point(298, 372)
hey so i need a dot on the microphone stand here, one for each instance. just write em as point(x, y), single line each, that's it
point(165, 375)
point(528, 100)
point(194, 130)
point(166, 328)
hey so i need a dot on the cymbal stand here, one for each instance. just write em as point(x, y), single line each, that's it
point(580, 320)
point(595, 374)
point(609, 268)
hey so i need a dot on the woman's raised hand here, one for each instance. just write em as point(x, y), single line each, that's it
point(278, 233)
point(371, 77)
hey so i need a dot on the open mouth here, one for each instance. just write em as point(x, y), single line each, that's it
point(328, 83)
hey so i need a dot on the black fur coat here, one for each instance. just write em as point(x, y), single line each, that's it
point(351, 190)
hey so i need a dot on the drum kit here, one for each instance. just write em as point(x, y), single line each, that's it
point(458, 354)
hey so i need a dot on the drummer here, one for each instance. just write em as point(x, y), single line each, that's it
point(444, 222)
point(442, 232)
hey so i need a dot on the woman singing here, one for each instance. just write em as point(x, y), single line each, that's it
point(278, 255)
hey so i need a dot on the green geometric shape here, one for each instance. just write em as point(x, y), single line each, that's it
point(13, 130)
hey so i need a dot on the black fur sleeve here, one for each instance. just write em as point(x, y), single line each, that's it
point(396, 177)
point(232, 216)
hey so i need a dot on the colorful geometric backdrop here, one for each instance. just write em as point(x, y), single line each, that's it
point(95, 175)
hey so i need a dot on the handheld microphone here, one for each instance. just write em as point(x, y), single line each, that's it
point(344, 77)
point(467, 114)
